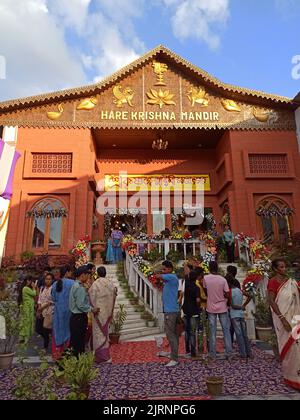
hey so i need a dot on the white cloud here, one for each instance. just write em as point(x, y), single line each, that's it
point(51, 44)
point(198, 18)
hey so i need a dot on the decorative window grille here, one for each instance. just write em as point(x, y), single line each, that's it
point(274, 164)
point(52, 163)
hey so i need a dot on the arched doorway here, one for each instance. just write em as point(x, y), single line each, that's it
point(275, 217)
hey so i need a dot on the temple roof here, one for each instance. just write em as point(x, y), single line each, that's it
point(235, 92)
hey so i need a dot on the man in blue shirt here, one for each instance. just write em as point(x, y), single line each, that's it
point(171, 309)
point(79, 304)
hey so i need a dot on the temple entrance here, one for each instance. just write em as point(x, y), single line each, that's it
point(129, 223)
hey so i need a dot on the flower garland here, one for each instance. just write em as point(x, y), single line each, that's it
point(47, 214)
point(260, 253)
point(81, 251)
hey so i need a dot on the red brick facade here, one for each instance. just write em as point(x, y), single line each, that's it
point(63, 161)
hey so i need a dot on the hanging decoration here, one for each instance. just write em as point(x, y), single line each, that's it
point(47, 213)
point(274, 211)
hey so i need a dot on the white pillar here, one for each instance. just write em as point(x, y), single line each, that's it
point(9, 136)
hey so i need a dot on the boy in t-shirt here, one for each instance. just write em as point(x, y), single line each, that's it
point(236, 310)
point(171, 309)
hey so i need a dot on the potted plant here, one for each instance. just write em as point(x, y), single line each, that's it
point(78, 374)
point(117, 324)
point(9, 311)
point(263, 318)
point(214, 385)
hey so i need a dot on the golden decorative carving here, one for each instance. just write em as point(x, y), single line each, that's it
point(56, 115)
point(230, 105)
point(198, 96)
point(87, 104)
point(123, 98)
point(159, 70)
point(265, 115)
point(160, 98)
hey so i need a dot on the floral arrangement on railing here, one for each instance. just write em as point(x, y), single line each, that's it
point(179, 236)
point(143, 266)
point(81, 251)
point(260, 256)
point(47, 214)
point(156, 282)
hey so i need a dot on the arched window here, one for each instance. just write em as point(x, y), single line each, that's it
point(47, 220)
point(276, 219)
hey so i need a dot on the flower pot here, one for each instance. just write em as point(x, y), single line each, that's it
point(114, 338)
point(214, 385)
point(6, 360)
point(264, 333)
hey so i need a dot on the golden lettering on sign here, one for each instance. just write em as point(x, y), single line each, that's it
point(211, 116)
point(123, 98)
point(159, 70)
point(160, 98)
point(54, 115)
point(230, 105)
point(87, 104)
point(198, 96)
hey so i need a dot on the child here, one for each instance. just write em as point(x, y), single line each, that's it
point(238, 320)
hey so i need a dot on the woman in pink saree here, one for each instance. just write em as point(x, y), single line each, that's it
point(284, 294)
point(102, 295)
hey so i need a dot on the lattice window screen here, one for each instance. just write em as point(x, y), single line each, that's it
point(269, 164)
point(52, 163)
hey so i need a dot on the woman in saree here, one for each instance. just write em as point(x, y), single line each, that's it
point(284, 295)
point(26, 301)
point(116, 237)
point(102, 295)
point(61, 316)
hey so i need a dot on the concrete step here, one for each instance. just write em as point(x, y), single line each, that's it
point(134, 323)
point(127, 336)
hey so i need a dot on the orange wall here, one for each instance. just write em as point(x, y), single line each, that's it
point(28, 189)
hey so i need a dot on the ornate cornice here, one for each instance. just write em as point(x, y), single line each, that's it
point(98, 87)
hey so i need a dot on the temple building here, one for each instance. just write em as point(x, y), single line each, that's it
point(164, 122)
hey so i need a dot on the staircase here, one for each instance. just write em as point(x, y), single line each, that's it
point(134, 326)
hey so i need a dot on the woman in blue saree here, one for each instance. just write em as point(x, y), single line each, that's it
point(116, 238)
point(61, 318)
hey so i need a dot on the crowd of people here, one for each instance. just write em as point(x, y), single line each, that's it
point(73, 309)
point(202, 299)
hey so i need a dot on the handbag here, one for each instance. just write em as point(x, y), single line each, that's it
point(47, 324)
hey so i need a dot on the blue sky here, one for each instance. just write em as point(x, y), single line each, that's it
point(55, 44)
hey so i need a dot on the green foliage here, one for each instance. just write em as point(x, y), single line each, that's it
point(35, 383)
point(119, 320)
point(154, 255)
point(174, 256)
point(10, 311)
point(262, 315)
point(26, 256)
point(78, 374)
